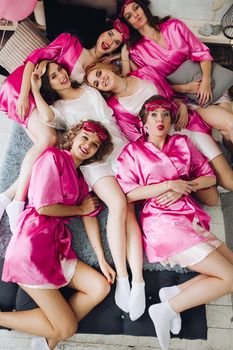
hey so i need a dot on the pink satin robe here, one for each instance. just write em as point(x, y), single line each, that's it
point(181, 44)
point(132, 126)
point(167, 230)
point(34, 254)
point(65, 50)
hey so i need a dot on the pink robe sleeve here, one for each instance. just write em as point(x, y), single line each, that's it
point(199, 164)
point(127, 172)
point(45, 185)
point(197, 50)
point(129, 124)
point(150, 73)
point(65, 50)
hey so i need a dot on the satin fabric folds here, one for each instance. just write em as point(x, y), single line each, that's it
point(35, 251)
point(65, 50)
point(167, 230)
point(181, 44)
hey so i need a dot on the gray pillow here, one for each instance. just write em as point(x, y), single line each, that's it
point(222, 78)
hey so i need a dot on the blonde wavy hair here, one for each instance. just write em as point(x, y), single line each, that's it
point(100, 65)
point(104, 149)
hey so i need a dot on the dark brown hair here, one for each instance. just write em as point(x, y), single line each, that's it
point(143, 114)
point(49, 95)
point(153, 21)
point(104, 149)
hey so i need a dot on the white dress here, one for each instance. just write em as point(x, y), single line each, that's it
point(91, 105)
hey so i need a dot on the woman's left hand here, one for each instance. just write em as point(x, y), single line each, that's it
point(204, 93)
point(168, 198)
point(110, 58)
point(181, 117)
point(107, 271)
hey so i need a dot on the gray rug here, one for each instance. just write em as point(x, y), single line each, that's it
point(227, 208)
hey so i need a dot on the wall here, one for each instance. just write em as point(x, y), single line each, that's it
point(198, 9)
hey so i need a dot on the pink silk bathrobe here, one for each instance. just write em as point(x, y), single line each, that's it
point(41, 242)
point(65, 50)
point(181, 44)
point(167, 230)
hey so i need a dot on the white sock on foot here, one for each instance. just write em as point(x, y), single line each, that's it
point(167, 293)
point(161, 315)
point(137, 303)
point(14, 209)
point(122, 293)
point(39, 343)
point(4, 201)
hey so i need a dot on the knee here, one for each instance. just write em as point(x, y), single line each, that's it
point(102, 289)
point(68, 330)
point(48, 140)
point(211, 202)
point(119, 204)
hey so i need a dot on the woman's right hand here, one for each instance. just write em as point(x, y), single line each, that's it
point(22, 106)
point(36, 82)
point(182, 186)
point(88, 205)
point(110, 58)
point(192, 87)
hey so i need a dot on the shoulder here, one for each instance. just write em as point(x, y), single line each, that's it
point(173, 23)
point(52, 154)
point(92, 91)
point(132, 147)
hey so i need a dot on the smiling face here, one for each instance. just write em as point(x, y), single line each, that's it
point(135, 15)
point(108, 41)
point(102, 79)
point(58, 77)
point(158, 122)
point(84, 146)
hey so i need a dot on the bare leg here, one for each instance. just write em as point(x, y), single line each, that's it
point(134, 245)
point(223, 172)
point(208, 196)
point(218, 118)
point(43, 136)
point(55, 319)
point(92, 289)
point(49, 320)
point(216, 281)
point(108, 190)
point(137, 301)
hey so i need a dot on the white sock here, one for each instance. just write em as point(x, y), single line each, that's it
point(122, 293)
point(167, 293)
point(14, 209)
point(161, 315)
point(4, 201)
point(39, 343)
point(137, 303)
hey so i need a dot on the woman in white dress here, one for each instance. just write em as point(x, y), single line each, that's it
point(62, 103)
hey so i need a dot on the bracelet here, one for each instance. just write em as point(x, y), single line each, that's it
point(125, 60)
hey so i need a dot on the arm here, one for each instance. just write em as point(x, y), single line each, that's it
point(45, 111)
point(125, 61)
point(92, 229)
point(204, 92)
point(182, 117)
point(155, 190)
point(23, 100)
point(87, 206)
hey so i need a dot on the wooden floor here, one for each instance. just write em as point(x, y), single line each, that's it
point(219, 313)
